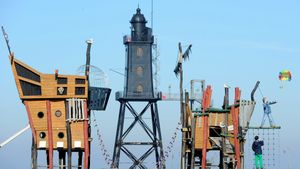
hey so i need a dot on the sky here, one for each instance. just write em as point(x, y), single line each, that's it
point(234, 42)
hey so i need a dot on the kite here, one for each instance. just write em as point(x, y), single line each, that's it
point(285, 75)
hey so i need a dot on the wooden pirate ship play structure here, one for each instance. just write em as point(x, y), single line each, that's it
point(58, 108)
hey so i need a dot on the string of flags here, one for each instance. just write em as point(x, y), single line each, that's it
point(107, 157)
point(104, 151)
point(170, 146)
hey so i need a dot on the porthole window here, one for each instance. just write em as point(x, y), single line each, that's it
point(40, 114)
point(61, 135)
point(58, 113)
point(42, 135)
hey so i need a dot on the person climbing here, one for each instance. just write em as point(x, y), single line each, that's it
point(267, 112)
point(256, 147)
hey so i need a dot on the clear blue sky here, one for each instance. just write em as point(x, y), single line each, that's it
point(234, 42)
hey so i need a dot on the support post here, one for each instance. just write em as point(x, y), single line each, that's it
point(69, 137)
point(33, 154)
point(30, 121)
point(183, 158)
point(62, 159)
point(86, 137)
point(225, 128)
point(235, 118)
point(193, 142)
point(117, 149)
point(50, 135)
point(80, 154)
point(205, 105)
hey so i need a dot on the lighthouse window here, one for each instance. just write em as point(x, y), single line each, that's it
point(139, 71)
point(139, 52)
point(139, 88)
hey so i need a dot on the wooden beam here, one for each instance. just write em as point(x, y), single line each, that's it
point(86, 137)
point(205, 106)
point(50, 135)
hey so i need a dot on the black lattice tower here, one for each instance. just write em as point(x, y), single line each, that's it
point(138, 88)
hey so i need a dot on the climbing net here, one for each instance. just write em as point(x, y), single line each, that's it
point(271, 148)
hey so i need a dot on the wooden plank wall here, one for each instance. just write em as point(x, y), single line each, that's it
point(58, 123)
point(214, 119)
point(49, 84)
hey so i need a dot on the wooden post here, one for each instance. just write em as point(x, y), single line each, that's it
point(225, 130)
point(86, 137)
point(62, 159)
point(33, 154)
point(80, 154)
point(183, 162)
point(235, 118)
point(69, 136)
point(50, 135)
point(30, 121)
point(205, 105)
point(193, 119)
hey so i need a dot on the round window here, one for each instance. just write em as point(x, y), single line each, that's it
point(61, 135)
point(58, 113)
point(42, 135)
point(40, 114)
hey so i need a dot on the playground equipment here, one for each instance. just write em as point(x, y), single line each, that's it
point(58, 108)
point(216, 129)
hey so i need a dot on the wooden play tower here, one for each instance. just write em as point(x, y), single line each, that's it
point(216, 129)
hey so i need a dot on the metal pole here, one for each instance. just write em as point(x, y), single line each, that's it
point(14, 136)
point(7, 41)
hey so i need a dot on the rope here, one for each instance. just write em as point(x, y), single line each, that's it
point(260, 92)
point(170, 147)
point(104, 151)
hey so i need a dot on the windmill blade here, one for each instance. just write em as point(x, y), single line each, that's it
point(187, 52)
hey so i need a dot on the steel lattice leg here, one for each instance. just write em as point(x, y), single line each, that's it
point(117, 148)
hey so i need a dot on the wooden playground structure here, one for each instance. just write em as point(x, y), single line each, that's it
point(216, 129)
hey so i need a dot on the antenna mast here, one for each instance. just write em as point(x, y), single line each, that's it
point(152, 15)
